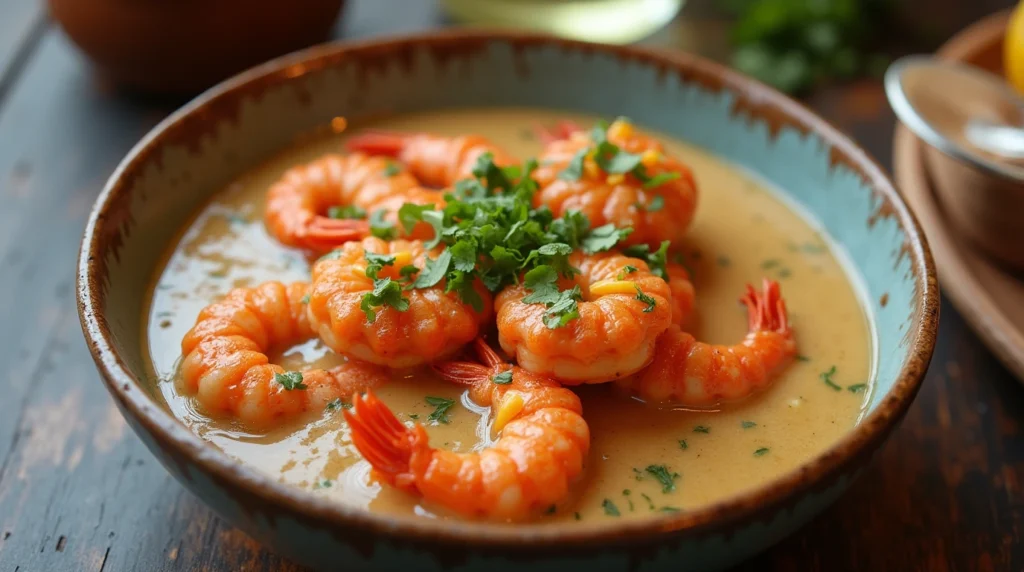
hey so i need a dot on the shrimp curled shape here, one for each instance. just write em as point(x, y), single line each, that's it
point(532, 465)
point(435, 324)
point(297, 204)
point(659, 207)
point(226, 367)
point(435, 160)
point(615, 332)
point(691, 373)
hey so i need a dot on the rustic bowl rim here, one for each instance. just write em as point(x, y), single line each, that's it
point(759, 503)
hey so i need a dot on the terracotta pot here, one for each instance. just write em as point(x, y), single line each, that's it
point(186, 46)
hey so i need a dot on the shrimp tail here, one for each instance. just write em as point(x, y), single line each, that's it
point(766, 311)
point(487, 353)
point(463, 373)
point(380, 142)
point(385, 443)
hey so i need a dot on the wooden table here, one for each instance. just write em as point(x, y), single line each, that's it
point(78, 490)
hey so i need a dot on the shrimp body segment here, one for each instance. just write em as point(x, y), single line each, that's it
point(226, 366)
point(692, 373)
point(434, 160)
point(659, 206)
point(435, 324)
point(614, 335)
point(538, 456)
point(297, 205)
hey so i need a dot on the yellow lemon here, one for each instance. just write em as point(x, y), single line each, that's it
point(1013, 49)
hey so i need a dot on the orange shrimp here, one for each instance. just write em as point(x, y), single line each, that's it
point(297, 204)
point(226, 367)
point(435, 324)
point(684, 295)
point(691, 373)
point(435, 160)
point(538, 456)
point(623, 309)
point(657, 197)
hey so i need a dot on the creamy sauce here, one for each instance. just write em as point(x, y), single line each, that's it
point(742, 232)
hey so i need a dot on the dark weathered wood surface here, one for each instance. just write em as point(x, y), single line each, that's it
point(78, 491)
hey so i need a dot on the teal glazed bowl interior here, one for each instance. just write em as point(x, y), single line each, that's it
point(169, 175)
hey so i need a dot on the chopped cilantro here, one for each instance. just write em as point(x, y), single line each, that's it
point(346, 212)
point(435, 270)
point(381, 228)
point(656, 260)
point(761, 452)
point(626, 270)
point(503, 378)
point(604, 238)
point(669, 509)
point(748, 424)
point(385, 293)
point(392, 169)
point(574, 170)
point(650, 503)
point(609, 508)
point(305, 299)
point(827, 378)
point(410, 213)
point(802, 357)
point(324, 484)
point(441, 407)
point(660, 179)
point(683, 445)
point(701, 429)
point(770, 263)
point(662, 474)
point(290, 380)
point(857, 388)
point(656, 204)
point(650, 301)
point(336, 404)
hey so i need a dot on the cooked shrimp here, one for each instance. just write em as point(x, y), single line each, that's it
point(435, 160)
point(643, 187)
point(432, 324)
point(692, 373)
point(297, 204)
point(539, 454)
point(622, 311)
point(684, 295)
point(226, 367)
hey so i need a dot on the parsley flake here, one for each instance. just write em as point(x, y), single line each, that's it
point(392, 169)
point(626, 270)
point(441, 407)
point(857, 388)
point(748, 424)
point(386, 292)
point(381, 228)
point(346, 212)
point(609, 508)
point(827, 378)
point(683, 445)
point(701, 429)
point(574, 170)
point(761, 452)
point(336, 404)
point(604, 238)
point(649, 300)
point(660, 179)
point(290, 380)
point(503, 378)
point(662, 474)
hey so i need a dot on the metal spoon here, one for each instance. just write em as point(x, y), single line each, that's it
point(959, 109)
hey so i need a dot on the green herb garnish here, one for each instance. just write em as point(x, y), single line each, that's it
point(657, 203)
point(656, 260)
point(770, 263)
point(441, 407)
point(346, 212)
point(761, 452)
point(650, 301)
point(503, 378)
point(857, 388)
point(802, 357)
point(650, 503)
point(336, 404)
point(290, 380)
point(305, 299)
point(827, 378)
point(574, 170)
point(662, 474)
point(381, 228)
point(324, 484)
point(657, 181)
point(609, 508)
point(626, 270)
point(701, 429)
point(683, 445)
point(748, 424)
point(392, 169)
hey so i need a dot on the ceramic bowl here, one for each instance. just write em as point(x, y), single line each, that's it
point(200, 148)
point(983, 197)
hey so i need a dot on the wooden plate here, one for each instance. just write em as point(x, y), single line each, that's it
point(990, 298)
